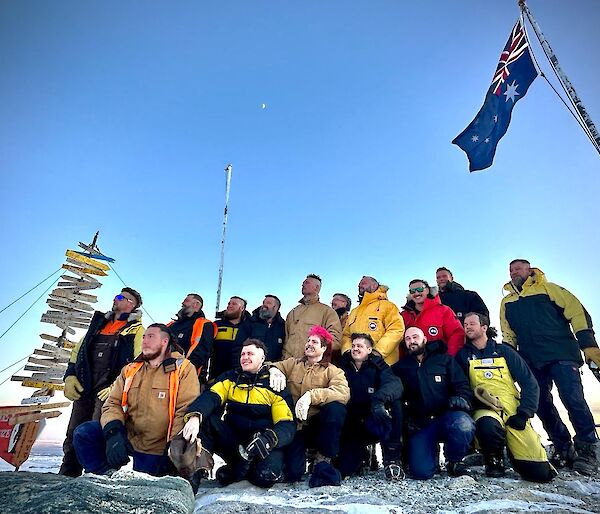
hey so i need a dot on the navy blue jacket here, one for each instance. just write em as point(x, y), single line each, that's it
point(273, 336)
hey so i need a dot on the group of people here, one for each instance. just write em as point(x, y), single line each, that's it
point(275, 397)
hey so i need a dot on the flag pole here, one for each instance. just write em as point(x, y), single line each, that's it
point(588, 125)
point(227, 189)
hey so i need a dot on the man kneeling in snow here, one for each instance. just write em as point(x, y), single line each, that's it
point(145, 408)
point(321, 392)
point(258, 421)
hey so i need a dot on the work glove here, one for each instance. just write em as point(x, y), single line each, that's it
point(459, 403)
point(277, 380)
point(118, 446)
point(487, 399)
point(518, 421)
point(103, 394)
point(261, 445)
point(73, 388)
point(380, 413)
point(192, 427)
point(302, 406)
point(592, 354)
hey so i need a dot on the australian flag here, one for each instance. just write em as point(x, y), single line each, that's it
point(514, 75)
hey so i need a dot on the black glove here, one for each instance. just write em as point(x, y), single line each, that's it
point(117, 445)
point(459, 403)
point(518, 421)
point(380, 413)
point(261, 444)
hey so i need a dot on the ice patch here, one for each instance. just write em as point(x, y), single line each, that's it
point(583, 488)
point(297, 503)
point(558, 498)
point(516, 506)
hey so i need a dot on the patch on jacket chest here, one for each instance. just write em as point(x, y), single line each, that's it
point(488, 374)
point(372, 325)
point(370, 390)
point(162, 395)
point(438, 378)
point(433, 331)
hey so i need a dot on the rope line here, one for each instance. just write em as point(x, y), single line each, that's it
point(8, 367)
point(27, 292)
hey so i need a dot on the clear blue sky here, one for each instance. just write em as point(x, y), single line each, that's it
point(120, 117)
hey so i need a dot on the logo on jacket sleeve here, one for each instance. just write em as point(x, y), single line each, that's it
point(372, 325)
point(433, 331)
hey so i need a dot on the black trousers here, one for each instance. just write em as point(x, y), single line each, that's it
point(223, 439)
point(88, 409)
point(321, 432)
point(360, 431)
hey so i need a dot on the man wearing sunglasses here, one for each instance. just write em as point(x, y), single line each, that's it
point(113, 339)
point(438, 322)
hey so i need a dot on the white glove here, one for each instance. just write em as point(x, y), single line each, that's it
point(302, 406)
point(191, 429)
point(277, 380)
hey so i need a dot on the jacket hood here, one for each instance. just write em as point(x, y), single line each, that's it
point(310, 301)
point(435, 346)
point(537, 277)
point(490, 346)
point(379, 294)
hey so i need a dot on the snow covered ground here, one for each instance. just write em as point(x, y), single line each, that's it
point(371, 494)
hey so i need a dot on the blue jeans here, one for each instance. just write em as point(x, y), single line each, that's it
point(455, 429)
point(90, 448)
point(567, 377)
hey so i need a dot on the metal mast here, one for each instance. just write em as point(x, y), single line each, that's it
point(584, 118)
point(227, 188)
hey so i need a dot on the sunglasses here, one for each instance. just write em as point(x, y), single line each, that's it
point(414, 290)
point(120, 297)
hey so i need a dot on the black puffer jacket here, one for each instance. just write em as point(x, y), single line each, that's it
point(429, 385)
point(272, 335)
point(462, 301)
point(374, 381)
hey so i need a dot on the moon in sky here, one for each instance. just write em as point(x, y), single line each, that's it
point(264, 106)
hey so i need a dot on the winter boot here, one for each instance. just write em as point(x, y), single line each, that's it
point(393, 471)
point(458, 469)
point(586, 461)
point(494, 465)
point(563, 458)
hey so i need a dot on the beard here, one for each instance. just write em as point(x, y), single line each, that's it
point(265, 313)
point(151, 356)
point(231, 315)
point(417, 351)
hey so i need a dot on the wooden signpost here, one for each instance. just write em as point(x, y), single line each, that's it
point(70, 308)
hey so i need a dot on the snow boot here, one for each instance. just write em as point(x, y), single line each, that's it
point(494, 465)
point(458, 469)
point(586, 461)
point(393, 471)
point(563, 458)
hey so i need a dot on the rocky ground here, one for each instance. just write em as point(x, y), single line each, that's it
point(372, 494)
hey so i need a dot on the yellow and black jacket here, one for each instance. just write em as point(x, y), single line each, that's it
point(537, 321)
point(250, 404)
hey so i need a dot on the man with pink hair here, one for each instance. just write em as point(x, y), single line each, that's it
point(320, 393)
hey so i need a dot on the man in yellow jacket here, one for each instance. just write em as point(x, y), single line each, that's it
point(144, 411)
point(377, 316)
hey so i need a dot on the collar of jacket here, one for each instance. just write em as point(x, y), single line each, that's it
point(429, 303)
point(322, 362)
point(136, 315)
point(245, 377)
point(452, 287)
point(194, 316)
point(375, 296)
point(490, 347)
point(257, 319)
point(537, 277)
point(310, 301)
point(435, 346)
point(168, 364)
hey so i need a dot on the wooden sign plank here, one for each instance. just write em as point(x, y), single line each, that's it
point(92, 251)
point(72, 295)
point(38, 384)
point(84, 272)
point(42, 369)
point(71, 254)
point(25, 409)
point(61, 352)
point(27, 418)
point(65, 317)
point(16, 378)
point(49, 376)
point(51, 363)
point(68, 306)
point(36, 400)
point(66, 343)
point(64, 326)
point(78, 286)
